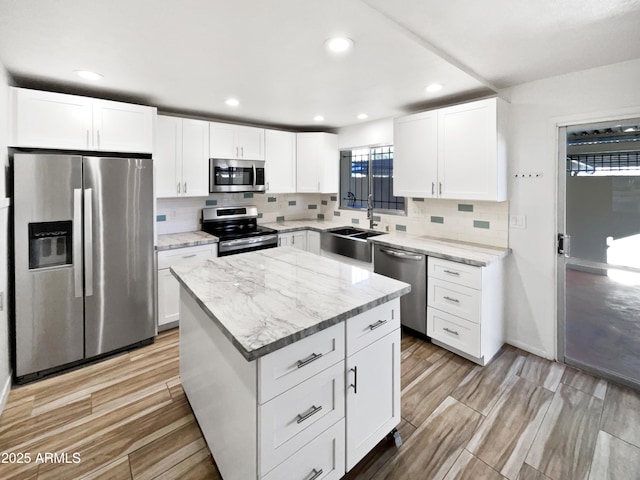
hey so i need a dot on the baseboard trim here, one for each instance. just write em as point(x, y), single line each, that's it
point(6, 389)
point(530, 349)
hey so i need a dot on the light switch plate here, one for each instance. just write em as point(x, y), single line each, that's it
point(518, 221)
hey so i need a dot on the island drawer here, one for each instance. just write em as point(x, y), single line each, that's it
point(454, 331)
point(293, 419)
point(455, 272)
point(455, 299)
point(369, 326)
point(285, 368)
point(166, 258)
point(321, 459)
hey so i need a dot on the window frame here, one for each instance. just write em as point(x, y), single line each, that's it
point(383, 211)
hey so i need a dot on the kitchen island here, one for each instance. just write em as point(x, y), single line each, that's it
point(290, 361)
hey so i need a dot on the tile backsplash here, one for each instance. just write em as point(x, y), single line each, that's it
point(477, 222)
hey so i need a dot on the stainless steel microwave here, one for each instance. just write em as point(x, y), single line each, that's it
point(236, 175)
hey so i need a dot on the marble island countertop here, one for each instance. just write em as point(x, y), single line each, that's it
point(268, 299)
point(184, 239)
point(467, 253)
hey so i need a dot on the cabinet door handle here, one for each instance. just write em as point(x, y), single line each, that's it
point(185, 187)
point(355, 379)
point(379, 323)
point(267, 186)
point(242, 152)
point(451, 272)
point(178, 188)
point(450, 331)
point(440, 188)
point(312, 358)
point(315, 474)
point(433, 188)
point(454, 300)
point(312, 411)
point(190, 256)
point(293, 240)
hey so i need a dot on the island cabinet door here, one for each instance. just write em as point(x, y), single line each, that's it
point(373, 396)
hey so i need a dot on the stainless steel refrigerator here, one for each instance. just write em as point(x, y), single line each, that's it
point(83, 258)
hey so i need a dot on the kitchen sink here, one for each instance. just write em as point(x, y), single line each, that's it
point(349, 241)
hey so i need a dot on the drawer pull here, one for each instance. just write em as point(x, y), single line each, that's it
point(315, 474)
point(454, 300)
point(189, 256)
point(307, 361)
point(379, 323)
point(450, 331)
point(451, 272)
point(311, 412)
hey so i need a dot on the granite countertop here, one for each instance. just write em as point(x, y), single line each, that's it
point(184, 239)
point(295, 225)
point(467, 253)
point(268, 299)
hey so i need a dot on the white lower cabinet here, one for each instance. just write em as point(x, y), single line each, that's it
point(307, 240)
point(289, 414)
point(373, 380)
point(168, 286)
point(293, 239)
point(320, 459)
point(465, 311)
point(313, 242)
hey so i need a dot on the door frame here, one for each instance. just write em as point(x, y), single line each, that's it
point(560, 127)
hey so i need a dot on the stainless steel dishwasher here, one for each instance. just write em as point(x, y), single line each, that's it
point(411, 268)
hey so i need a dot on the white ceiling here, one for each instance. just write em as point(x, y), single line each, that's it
point(189, 56)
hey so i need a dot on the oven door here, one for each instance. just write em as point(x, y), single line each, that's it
point(236, 175)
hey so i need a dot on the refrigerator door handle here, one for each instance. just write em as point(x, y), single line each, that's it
point(77, 242)
point(88, 241)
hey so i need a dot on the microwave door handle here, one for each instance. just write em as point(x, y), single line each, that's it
point(254, 176)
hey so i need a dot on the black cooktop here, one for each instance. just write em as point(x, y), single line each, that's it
point(232, 230)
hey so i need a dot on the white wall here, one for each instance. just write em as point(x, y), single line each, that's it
point(5, 364)
point(537, 108)
point(376, 132)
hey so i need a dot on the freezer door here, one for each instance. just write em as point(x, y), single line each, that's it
point(47, 211)
point(118, 248)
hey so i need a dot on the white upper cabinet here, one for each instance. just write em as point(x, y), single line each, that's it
point(236, 141)
point(456, 152)
point(280, 155)
point(415, 162)
point(181, 157)
point(318, 163)
point(122, 127)
point(55, 120)
point(472, 151)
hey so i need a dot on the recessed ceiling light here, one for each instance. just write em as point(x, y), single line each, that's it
point(318, 118)
point(434, 87)
point(232, 102)
point(339, 44)
point(87, 75)
point(362, 116)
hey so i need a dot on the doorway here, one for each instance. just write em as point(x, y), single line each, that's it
point(599, 249)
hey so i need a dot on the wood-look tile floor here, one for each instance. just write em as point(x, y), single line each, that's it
point(521, 417)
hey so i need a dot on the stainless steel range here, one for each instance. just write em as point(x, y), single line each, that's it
point(238, 229)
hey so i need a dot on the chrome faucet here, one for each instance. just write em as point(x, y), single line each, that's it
point(370, 211)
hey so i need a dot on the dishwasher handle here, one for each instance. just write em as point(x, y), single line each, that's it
point(404, 255)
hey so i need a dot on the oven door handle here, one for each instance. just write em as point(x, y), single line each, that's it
point(248, 241)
